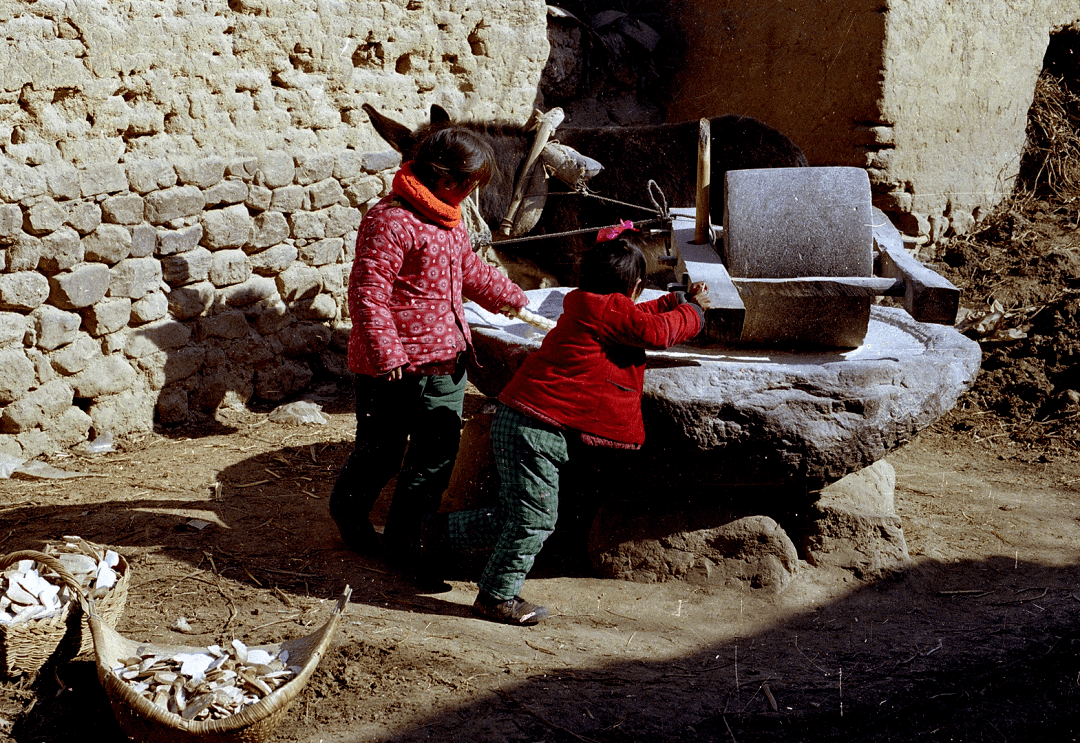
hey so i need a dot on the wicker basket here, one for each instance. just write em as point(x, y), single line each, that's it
point(142, 720)
point(25, 647)
point(110, 607)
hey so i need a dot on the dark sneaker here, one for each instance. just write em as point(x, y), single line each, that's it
point(360, 537)
point(512, 611)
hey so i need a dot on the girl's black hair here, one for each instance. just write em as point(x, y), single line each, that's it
point(612, 267)
point(454, 154)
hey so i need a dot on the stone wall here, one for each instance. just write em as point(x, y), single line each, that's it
point(181, 182)
point(930, 95)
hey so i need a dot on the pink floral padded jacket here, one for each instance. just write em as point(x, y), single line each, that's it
point(405, 292)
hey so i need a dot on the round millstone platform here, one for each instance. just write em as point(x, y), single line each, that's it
point(734, 434)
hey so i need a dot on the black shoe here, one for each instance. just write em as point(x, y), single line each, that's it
point(511, 611)
point(360, 537)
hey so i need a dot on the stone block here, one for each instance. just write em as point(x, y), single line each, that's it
point(288, 199)
point(340, 220)
point(202, 172)
point(348, 164)
point(13, 327)
point(83, 285)
point(271, 315)
point(84, 216)
point(161, 335)
point(145, 176)
point(183, 362)
point(25, 290)
point(17, 374)
point(61, 181)
point(227, 324)
point(255, 289)
point(37, 407)
point(231, 227)
point(243, 168)
point(107, 316)
point(325, 193)
point(374, 162)
point(19, 183)
point(54, 327)
point(304, 339)
point(363, 190)
point(153, 306)
point(320, 307)
point(275, 169)
point(313, 167)
point(653, 543)
point(172, 406)
point(259, 197)
point(171, 242)
point(298, 281)
point(143, 240)
point(11, 221)
point(322, 252)
point(270, 228)
point(128, 412)
point(24, 253)
point(191, 300)
point(187, 268)
point(273, 260)
point(174, 203)
point(135, 277)
point(60, 250)
point(282, 380)
point(102, 178)
point(308, 225)
point(228, 191)
point(229, 267)
point(854, 525)
point(123, 209)
point(69, 428)
point(44, 217)
point(109, 243)
point(75, 356)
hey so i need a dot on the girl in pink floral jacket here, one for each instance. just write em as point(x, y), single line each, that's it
point(413, 264)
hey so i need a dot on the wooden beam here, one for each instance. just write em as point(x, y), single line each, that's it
point(928, 296)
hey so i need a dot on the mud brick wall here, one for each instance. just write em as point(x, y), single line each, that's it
point(181, 183)
point(931, 96)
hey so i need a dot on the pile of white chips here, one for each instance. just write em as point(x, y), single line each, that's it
point(206, 685)
point(29, 590)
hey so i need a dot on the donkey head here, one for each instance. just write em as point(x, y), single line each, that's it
point(402, 138)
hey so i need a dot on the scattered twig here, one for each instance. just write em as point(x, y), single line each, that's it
point(541, 718)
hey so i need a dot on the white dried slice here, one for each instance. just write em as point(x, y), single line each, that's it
point(112, 558)
point(20, 595)
point(161, 697)
point(165, 677)
point(105, 576)
point(258, 657)
point(194, 665)
point(241, 650)
point(77, 562)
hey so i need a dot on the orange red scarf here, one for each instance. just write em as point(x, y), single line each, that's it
point(409, 187)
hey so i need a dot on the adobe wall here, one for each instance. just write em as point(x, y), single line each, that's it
point(181, 182)
point(930, 95)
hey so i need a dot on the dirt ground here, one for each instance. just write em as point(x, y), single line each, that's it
point(978, 640)
point(225, 524)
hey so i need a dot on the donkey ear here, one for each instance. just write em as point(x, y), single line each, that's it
point(398, 135)
point(439, 115)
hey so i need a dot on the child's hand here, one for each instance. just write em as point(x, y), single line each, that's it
point(698, 293)
point(507, 310)
point(395, 375)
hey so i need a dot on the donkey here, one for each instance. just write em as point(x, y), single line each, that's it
point(665, 153)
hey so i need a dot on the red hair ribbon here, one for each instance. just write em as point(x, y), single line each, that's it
point(610, 233)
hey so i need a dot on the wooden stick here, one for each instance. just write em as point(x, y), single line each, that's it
point(546, 125)
point(703, 223)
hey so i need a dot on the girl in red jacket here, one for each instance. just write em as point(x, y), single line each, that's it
point(413, 264)
point(585, 381)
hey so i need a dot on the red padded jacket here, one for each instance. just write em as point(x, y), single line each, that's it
point(406, 287)
point(589, 372)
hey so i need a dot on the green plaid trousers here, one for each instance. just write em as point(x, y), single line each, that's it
point(529, 455)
